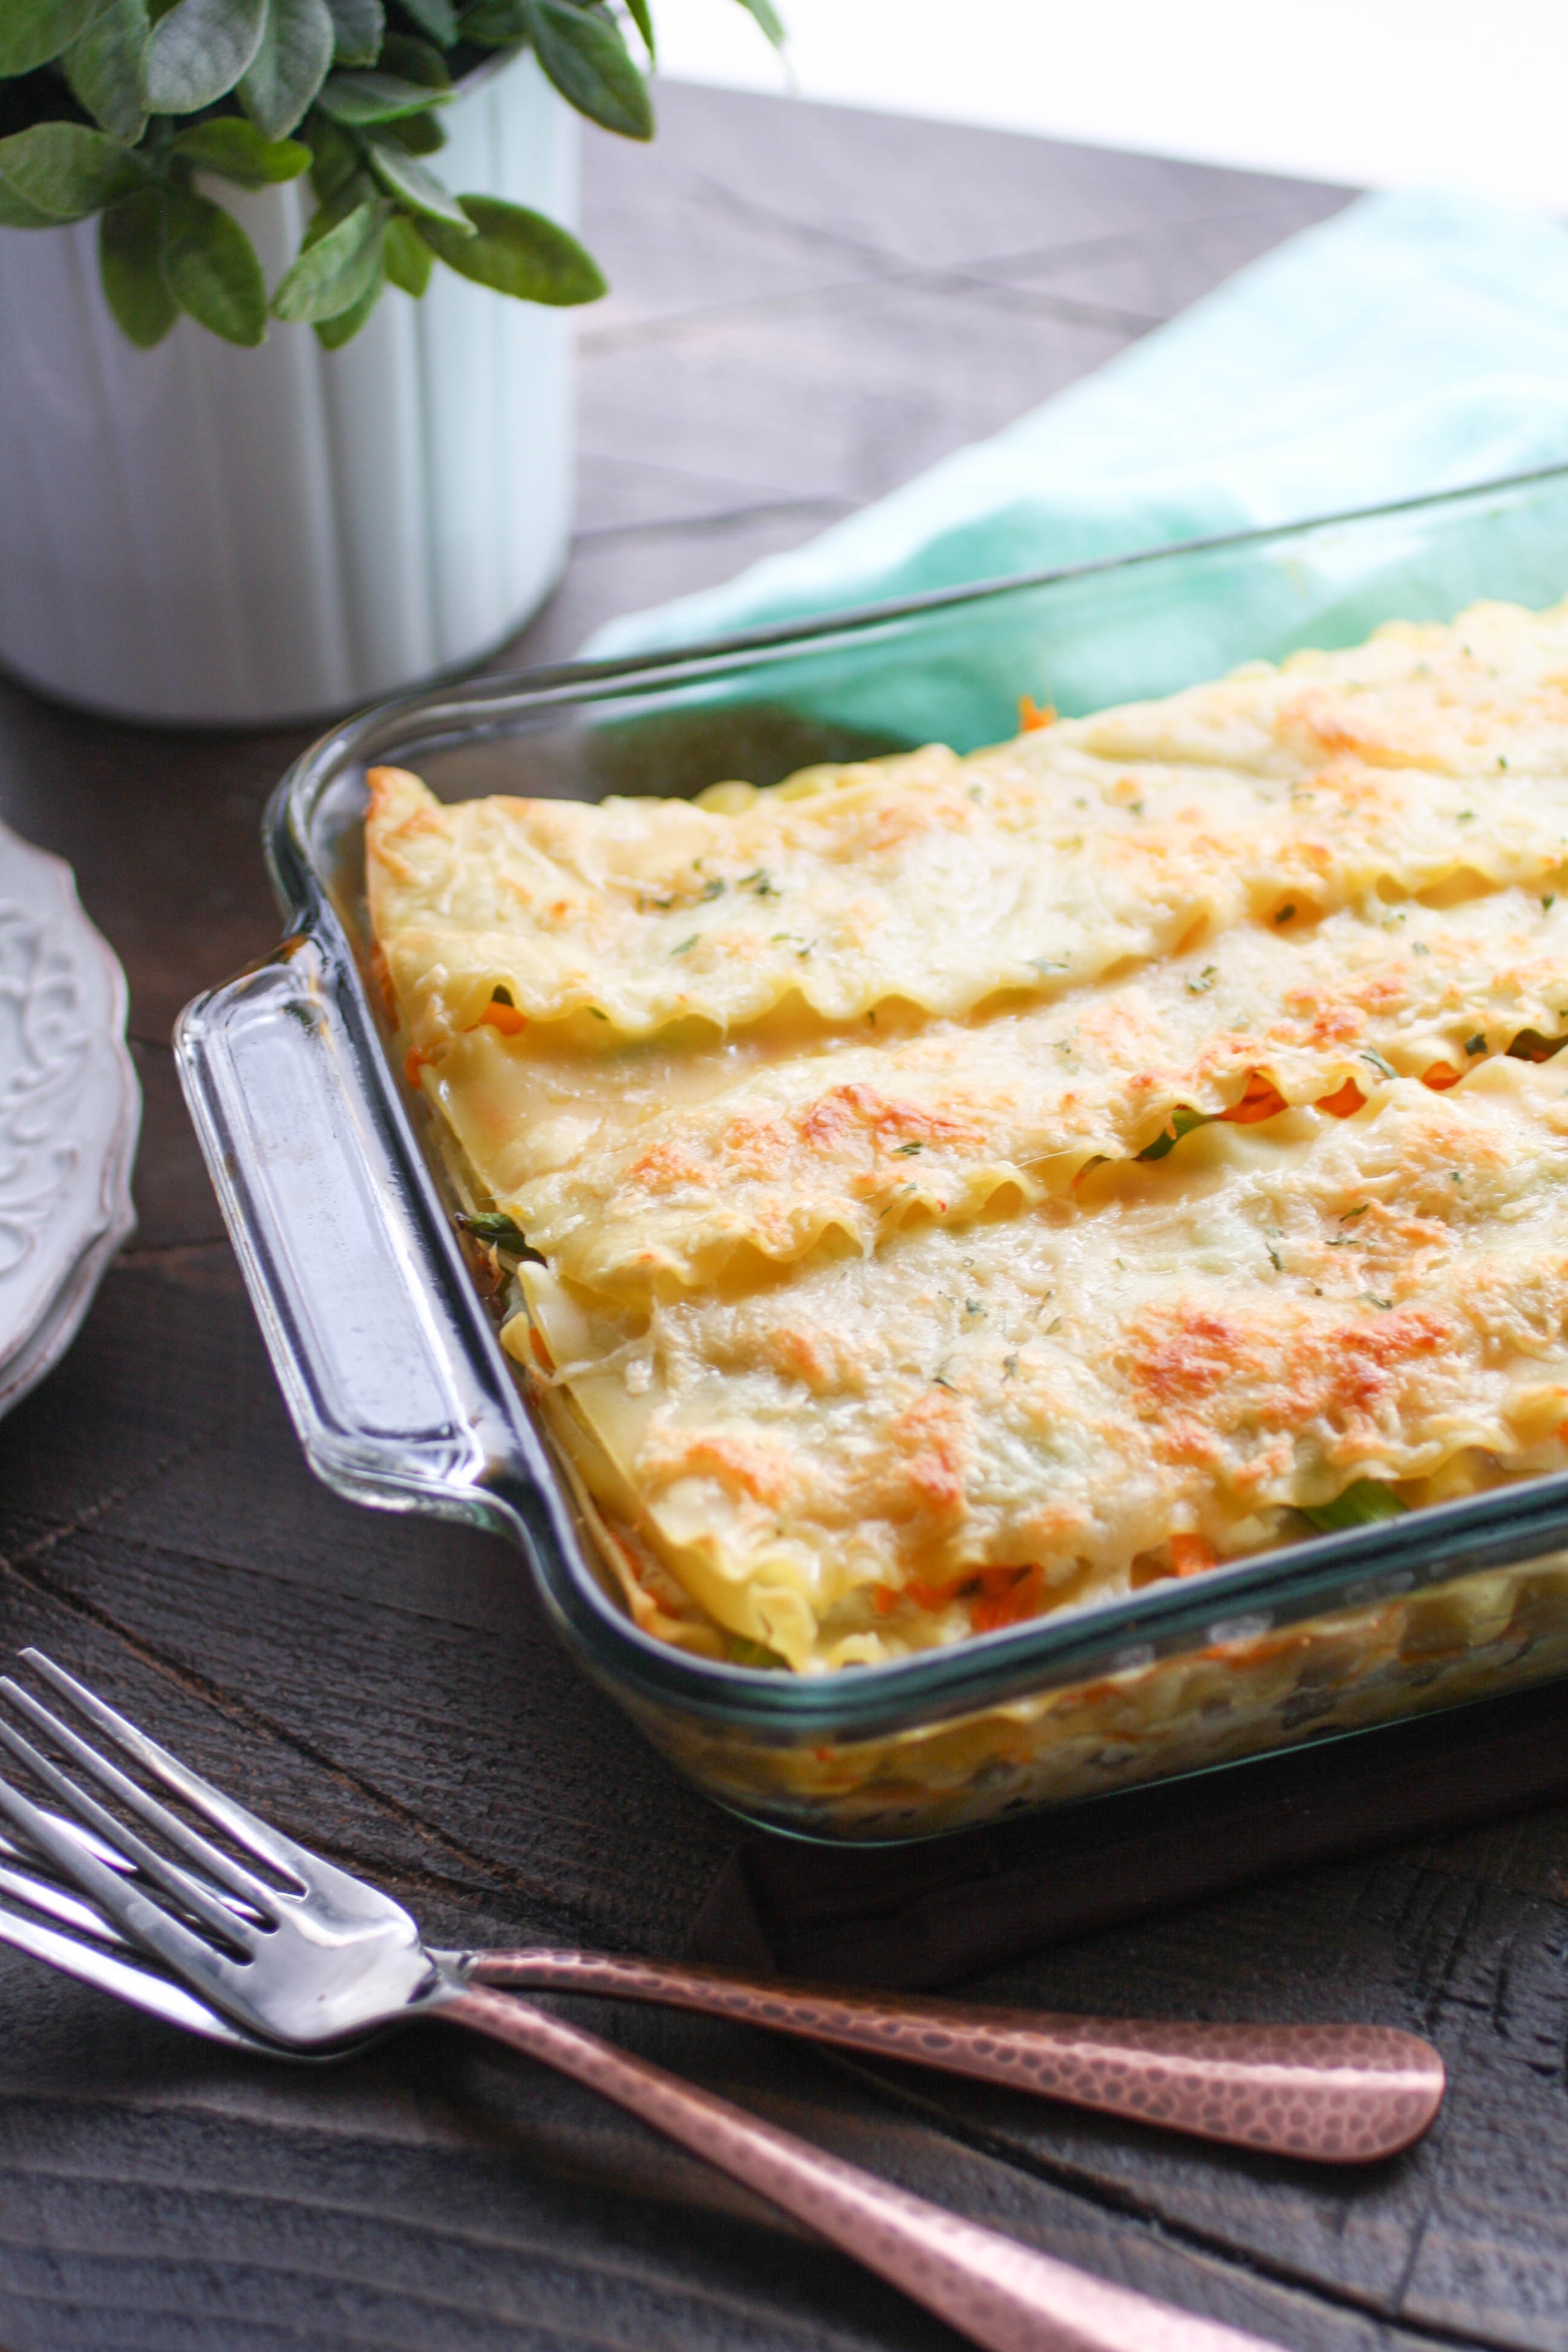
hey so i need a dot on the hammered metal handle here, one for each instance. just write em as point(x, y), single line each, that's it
point(1335, 2093)
point(1002, 2295)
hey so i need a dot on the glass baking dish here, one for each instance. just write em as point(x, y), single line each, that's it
point(387, 1352)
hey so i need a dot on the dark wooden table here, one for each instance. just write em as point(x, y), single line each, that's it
point(809, 306)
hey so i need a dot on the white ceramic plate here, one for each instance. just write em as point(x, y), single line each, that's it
point(70, 1111)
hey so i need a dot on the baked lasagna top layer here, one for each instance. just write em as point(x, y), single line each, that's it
point(959, 1187)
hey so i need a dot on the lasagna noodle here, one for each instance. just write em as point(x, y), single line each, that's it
point(1194, 1346)
point(878, 1302)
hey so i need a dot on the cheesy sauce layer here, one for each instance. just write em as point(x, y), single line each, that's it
point(938, 1191)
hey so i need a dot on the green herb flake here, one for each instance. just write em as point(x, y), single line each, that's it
point(972, 1307)
point(1466, 816)
point(1419, 947)
point(1476, 1044)
point(691, 942)
point(713, 889)
point(1285, 914)
point(1351, 1214)
point(1384, 1306)
point(1275, 1259)
point(1387, 1068)
point(906, 1151)
point(761, 883)
point(1548, 902)
point(1204, 981)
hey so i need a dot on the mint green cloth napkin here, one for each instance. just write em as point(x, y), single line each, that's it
point(1413, 343)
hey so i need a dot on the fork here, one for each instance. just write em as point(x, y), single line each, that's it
point(312, 1956)
point(1332, 2094)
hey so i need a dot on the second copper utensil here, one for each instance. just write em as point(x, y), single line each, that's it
point(1333, 2093)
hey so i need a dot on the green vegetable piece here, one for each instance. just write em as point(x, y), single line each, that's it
point(1361, 1506)
point(212, 270)
point(589, 64)
point(410, 259)
point(359, 100)
point(742, 1653)
point(1183, 1122)
point(104, 69)
point(437, 17)
point(34, 31)
point(337, 269)
point(198, 51)
point(359, 28)
point(416, 189)
point(236, 149)
point(62, 171)
point(290, 64)
point(131, 267)
point(516, 252)
point(492, 1225)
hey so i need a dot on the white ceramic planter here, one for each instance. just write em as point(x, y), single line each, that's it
point(202, 533)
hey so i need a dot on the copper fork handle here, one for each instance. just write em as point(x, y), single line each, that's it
point(1004, 2295)
point(1336, 2094)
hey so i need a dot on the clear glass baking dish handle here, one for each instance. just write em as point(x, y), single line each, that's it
point(366, 1323)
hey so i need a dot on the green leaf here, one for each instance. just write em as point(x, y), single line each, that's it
point(496, 22)
point(236, 149)
point(422, 134)
point(34, 31)
point(437, 17)
point(516, 252)
point(64, 171)
point(642, 17)
point(198, 52)
point(417, 190)
point(288, 69)
point(412, 61)
point(212, 268)
point(410, 259)
point(768, 17)
point(335, 156)
point(360, 26)
point(333, 272)
point(1359, 1506)
point(589, 64)
point(16, 213)
point(343, 325)
point(359, 100)
point(131, 267)
point(104, 69)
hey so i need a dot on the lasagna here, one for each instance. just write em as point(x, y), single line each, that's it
point(935, 1191)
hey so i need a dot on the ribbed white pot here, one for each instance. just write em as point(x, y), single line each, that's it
point(203, 533)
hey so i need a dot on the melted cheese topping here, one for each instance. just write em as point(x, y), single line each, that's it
point(969, 1187)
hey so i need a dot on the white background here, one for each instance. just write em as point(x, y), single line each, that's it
point(1379, 93)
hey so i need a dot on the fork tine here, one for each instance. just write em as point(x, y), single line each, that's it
point(115, 1972)
point(257, 1837)
point(122, 1902)
point(85, 1870)
point(56, 1902)
point(196, 1848)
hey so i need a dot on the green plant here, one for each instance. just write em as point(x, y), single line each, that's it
point(124, 108)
